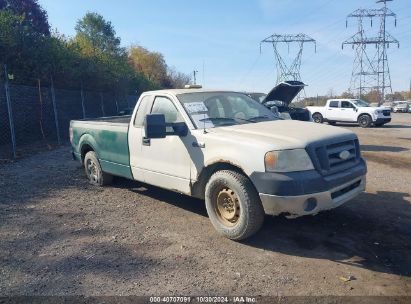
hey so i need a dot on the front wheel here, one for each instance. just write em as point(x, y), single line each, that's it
point(95, 175)
point(364, 121)
point(233, 205)
point(318, 118)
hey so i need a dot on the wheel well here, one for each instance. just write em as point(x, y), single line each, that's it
point(84, 149)
point(316, 113)
point(363, 115)
point(198, 188)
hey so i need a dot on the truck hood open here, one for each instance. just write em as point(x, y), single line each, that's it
point(285, 91)
point(284, 134)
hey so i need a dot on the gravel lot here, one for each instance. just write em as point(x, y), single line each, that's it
point(61, 236)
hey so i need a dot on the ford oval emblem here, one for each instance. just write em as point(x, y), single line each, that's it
point(344, 155)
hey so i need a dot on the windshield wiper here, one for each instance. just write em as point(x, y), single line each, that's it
point(255, 118)
point(218, 119)
point(228, 119)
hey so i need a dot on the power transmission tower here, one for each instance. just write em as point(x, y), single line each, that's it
point(288, 71)
point(371, 70)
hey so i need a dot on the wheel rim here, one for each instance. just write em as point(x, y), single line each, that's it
point(92, 170)
point(227, 207)
point(317, 119)
point(363, 121)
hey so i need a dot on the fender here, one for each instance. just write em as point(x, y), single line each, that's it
point(87, 139)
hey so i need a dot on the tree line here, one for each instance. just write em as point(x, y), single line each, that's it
point(93, 59)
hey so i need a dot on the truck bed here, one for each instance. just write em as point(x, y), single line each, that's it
point(108, 137)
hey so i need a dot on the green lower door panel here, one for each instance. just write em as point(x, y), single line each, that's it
point(116, 169)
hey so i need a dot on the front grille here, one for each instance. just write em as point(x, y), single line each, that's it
point(330, 158)
point(386, 112)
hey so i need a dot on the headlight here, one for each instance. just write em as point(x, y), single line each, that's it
point(378, 111)
point(287, 161)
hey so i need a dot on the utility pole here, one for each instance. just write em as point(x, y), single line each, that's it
point(195, 76)
point(370, 69)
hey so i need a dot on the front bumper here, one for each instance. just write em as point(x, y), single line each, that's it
point(382, 120)
point(308, 192)
point(312, 203)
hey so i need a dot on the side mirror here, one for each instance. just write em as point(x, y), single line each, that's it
point(155, 126)
point(180, 128)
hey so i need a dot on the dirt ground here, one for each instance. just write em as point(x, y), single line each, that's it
point(61, 236)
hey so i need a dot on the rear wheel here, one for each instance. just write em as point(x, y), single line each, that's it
point(364, 121)
point(95, 175)
point(318, 118)
point(233, 205)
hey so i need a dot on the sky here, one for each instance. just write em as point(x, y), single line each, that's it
point(221, 38)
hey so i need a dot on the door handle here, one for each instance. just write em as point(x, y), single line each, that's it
point(198, 144)
point(146, 141)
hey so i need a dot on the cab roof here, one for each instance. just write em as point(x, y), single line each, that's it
point(184, 91)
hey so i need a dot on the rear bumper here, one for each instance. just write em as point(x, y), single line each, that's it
point(313, 203)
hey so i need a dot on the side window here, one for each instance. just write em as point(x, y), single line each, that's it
point(142, 111)
point(163, 105)
point(334, 104)
point(346, 104)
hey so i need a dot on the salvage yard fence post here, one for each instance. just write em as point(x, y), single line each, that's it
point(102, 104)
point(82, 101)
point(10, 112)
point(56, 119)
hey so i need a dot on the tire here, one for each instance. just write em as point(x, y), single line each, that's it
point(364, 121)
point(93, 170)
point(318, 118)
point(243, 214)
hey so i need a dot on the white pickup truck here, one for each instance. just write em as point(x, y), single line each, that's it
point(350, 110)
point(228, 149)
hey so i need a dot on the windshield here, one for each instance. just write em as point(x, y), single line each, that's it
point(214, 109)
point(360, 103)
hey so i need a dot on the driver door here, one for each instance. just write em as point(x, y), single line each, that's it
point(165, 162)
point(347, 111)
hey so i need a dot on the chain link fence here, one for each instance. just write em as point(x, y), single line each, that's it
point(35, 118)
